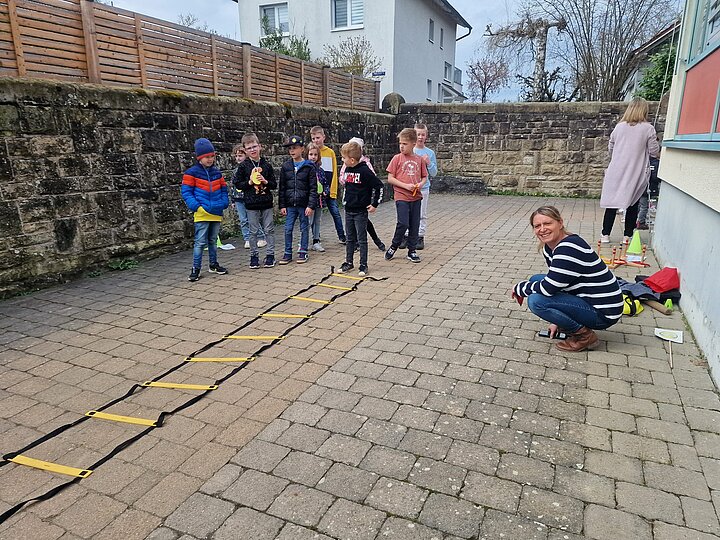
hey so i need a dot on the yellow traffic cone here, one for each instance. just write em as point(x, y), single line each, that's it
point(635, 246)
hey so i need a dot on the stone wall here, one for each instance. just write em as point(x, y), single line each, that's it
point(550, 148)
point(89, 174)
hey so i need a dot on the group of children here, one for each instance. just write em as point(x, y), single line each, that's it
point(309, 181)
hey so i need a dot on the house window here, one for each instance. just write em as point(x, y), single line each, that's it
point(431, 31)
point(429, 90)
point(277, 17)
point(448, 72)
point(442, 37)
point(713, 26)
point(348, 13)
point(458, 76)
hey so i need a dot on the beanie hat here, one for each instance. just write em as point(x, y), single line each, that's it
point(358, 140)
point(203, 147)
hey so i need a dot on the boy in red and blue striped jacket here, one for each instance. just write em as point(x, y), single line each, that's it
point(205, 192)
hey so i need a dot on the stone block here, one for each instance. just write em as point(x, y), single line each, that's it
point(602, 523)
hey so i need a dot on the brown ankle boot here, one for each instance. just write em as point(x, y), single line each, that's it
point(579, 341)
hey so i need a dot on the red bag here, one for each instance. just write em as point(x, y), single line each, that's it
point(664, 280)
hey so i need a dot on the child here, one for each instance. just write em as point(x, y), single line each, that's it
point(407, 173)
point(297, 197)
point(431, 163)
point(364, 159)
point(237, 198)
point(256, 180)
point(362, 193)
point(329, 165)
point(313, 155)
point(205, 192)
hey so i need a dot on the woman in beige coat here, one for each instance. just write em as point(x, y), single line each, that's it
point(632, 142)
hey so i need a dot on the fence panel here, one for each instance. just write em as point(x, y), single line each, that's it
point(78, 40)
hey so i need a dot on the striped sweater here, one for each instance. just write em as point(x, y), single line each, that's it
point(574, 268)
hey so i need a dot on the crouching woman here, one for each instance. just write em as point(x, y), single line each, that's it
point(578, 294)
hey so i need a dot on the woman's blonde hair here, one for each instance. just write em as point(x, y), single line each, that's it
point(636, 112)
point(551, 212)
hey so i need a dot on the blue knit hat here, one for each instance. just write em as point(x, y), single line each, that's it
point(203, 147)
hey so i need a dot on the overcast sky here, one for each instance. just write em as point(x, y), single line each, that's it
point(222, 15)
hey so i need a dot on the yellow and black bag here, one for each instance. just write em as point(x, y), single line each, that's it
point(631, 307)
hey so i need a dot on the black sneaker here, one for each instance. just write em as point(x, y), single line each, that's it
point(342, 240)
point(194, 274)
point(217, 269)
point(269, 261)
point(254, 262)
point(346, 267)
point(390, 253)
point(412, 256)
point(403, 244)
point(420, 243)
point(381, 246)
point(363, 271)
point(286, 259)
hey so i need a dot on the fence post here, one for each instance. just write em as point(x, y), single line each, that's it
point(214, 60)
point(277, 78)
point(141, 50)
point(352, 91)
point(247, 70)
point(16, 38)
point(90, 36)
point(377, 96)
point(326, 85)
point(302, 82)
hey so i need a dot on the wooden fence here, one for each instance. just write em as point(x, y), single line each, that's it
point(79, 40)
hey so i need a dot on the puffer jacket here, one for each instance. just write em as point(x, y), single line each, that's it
point(255, 199)
point(298, 188)
point(205, 188)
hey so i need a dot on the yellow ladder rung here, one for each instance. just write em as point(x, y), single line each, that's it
point(304, 299)
point(52, 467)
point(119, 418)
point(284, 316)
point(196, 359)
point(348, 277)
point(334, 287)
point(256, 338)
point(180, 386)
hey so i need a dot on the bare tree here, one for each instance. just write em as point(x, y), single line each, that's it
point(602, 35)
point(193, 21)
point(486, 76)
point(354, 55)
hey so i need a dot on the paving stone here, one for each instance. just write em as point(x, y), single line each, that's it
point(516, 400)
point(260, 455)
point(348, 450)
point(304, 413)
point(425, 444)
point(255, 489)
point(200, 515)
point(380, 432)
point(446, 403)
point(488, 413)
point(402, 529)
point(341, 422)
point(676, 480)
point(634, 405)
point(610, 419)
point(302, 468)
point(614, 466)
point(388, 462)
point(672, 413)
point(295, 532)
point(711, 469)
point(557, 452)
point(346, 520)
point(665, 431)
point(551, 509)
point(222, 479)
point(492, 492)
point(458, 428)
point(534, 423)
point(585, 486)
point(700, 515)
point(480, 392)
point(602, 523)
point(649, 503)
point(703, 419)
point(397, 498)
point(407, 395)
point(561, 409)
point(505, 440)
point(451, 515)
point(684, 456)
point(347, 482)
point(611, 386)
point(589, 436)
point(666, 531)
point(249, 524)
point(416, 417)
point(501, 525)
point(301, 505)
point(707, 444)
point(103, 509)
point(376, 408)
point(640, 447)
point(303, 438)
point(437, 476)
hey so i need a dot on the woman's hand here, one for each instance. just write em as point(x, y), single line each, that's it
point(553, 329)
point(283, 211)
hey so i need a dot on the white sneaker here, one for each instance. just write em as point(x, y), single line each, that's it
point(262, 243)
point(626, 240)
point(247, 244)
point(604, 238)
point(317, 246)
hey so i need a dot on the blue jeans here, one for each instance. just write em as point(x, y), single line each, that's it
point(206, 233)
point(293, 214)
point(315, 224)
point(566, 310)
point(244, 224)
point(332, 205)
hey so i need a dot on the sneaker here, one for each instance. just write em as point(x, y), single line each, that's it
point(363, 271)
point(357, 248)
point(420, 243)
point(194, 274)
point(254, 262)
point(247, 244)
point(403, 244)
point(381, 246)
point(642, 226)
point(412, 256)
point(302, 258)
point(626, 240)
point(217, 269)
point(604, 238)
point(390, 253)
point(286, 259)
point(262, 243)
point(269, 261)
point(317, 246)
point(346, 267)
point(342, 240)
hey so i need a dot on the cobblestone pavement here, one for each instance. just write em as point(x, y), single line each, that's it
point(419, 407)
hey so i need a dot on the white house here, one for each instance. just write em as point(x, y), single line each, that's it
point(414, 38)
point(687, 226)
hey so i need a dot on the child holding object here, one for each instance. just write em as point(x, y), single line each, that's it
point(323, 186)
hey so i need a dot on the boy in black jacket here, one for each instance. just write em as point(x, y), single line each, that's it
point(297, 197)
point(256, 179)
point(362, 195)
